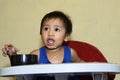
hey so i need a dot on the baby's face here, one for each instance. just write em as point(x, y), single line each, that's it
point(53, 33)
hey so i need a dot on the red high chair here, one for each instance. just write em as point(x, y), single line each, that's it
point(88, 53)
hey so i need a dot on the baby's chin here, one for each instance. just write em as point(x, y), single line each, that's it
point(51, 48)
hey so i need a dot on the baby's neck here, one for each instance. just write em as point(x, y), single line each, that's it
point(55, 50)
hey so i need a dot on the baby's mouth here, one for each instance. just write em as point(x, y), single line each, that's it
point(50, 41)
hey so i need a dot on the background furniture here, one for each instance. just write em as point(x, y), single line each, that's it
point(88, 53)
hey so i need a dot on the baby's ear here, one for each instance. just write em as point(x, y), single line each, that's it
point(67, 37)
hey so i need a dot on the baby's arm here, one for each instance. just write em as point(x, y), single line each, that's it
point(35, 52)
point(75, 57)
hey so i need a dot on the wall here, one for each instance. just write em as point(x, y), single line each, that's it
point(96, 22)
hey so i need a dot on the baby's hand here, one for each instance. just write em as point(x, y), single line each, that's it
point(9, 49)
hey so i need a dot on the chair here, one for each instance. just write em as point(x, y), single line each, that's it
point(88, 53)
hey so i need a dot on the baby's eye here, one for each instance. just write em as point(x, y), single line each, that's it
point(45, 28)
point(57, 29)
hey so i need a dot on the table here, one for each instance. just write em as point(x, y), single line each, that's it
point(26, 71)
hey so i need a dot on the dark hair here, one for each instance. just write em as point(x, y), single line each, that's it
point(58, 14)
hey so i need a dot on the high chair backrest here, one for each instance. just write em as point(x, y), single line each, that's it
point(88, 53)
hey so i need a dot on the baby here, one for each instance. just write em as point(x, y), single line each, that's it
point(55, 30)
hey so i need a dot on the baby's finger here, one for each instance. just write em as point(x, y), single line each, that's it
point(13, 50)
point(16, 49)
point(4, 52)
point(6, 46)
point(4, 55)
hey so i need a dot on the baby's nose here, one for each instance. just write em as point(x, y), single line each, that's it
point(50, 33)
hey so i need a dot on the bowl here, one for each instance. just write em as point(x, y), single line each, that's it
point(23, 59)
